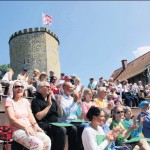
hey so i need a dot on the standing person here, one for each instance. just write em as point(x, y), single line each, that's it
point(46, 110)
point(93, 136)
point(25, 129)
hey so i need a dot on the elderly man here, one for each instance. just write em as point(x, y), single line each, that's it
point(46, 111)
point(145, 111)
point(71, 110)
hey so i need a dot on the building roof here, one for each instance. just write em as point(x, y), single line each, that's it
point(133, 68)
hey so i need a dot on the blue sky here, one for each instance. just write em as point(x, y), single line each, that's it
point(94, 35)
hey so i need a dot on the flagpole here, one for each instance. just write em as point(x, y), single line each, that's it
point(42, 19)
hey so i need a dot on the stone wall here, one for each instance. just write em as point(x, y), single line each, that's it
point(34, 48)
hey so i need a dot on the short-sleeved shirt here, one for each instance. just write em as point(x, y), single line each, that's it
point(39, 104)
point(101, 104)
point(21, 111)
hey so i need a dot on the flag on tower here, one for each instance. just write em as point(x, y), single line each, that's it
point(47, 20)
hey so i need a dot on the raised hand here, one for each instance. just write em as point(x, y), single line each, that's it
point(49, 98)
point(59, 100)
point(142, 118)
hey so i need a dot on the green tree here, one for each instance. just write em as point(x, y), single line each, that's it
point(3, 69)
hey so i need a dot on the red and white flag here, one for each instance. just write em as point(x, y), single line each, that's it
point(47, 20)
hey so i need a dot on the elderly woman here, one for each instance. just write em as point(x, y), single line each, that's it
point(25, 130)
point(93, 136)
point(118, 115)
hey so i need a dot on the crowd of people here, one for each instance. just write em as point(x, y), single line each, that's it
point(96, 117)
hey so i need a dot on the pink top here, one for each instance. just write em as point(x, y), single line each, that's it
point(20, 109)
point(85, 107)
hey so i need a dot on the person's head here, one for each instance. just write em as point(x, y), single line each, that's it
point(53, 79)
point(139, 82)
point(51, 73)
point(102, 92)
point(127, 112)
point(18, 89)
point(24, 70)
point(91, 80)
point(67, 79)
point(10, 70)
point(36, 72)
point(118, 113)
point(77, 81)
point(73, 77)
point(44, 88)
point(68, 88)
point(62, 76)
point(107, 114)
point(144, 106)
point(43, 76)
point(117, 81)
point(110, 96)
point(96, 115)
point(87, 95)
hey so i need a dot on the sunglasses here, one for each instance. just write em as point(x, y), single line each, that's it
point(18, 86)
point(119, 112)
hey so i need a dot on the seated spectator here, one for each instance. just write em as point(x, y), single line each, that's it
point(79, 88)
point(24, 78)
point(117, 98)
point(87, 103)
point(100, 83)
point(147, 90)
point(25, 129)
point(51, 73)
point(71, 111)
point(53, 85)
point(46, 110)
point(145, 111)
point(118, 115)
point(72, 80)
point(67, 79)
point(100, 101)
point(93, 136)
point(105, 127)
point(7, 79)
point(92, 85)
point(43, 77)
point(35, 78)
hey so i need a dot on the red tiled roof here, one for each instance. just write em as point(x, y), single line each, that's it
point(133, 68)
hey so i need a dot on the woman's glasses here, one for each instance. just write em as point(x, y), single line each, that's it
point(18, 86)
point(119, 112)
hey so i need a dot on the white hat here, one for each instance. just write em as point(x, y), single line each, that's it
point(60, 82)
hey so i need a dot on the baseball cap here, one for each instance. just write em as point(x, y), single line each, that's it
point(143, 103)
point(24, 68)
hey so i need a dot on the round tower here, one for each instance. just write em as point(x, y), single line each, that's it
point(34, 48)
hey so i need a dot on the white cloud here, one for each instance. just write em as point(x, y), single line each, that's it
point(141, 50)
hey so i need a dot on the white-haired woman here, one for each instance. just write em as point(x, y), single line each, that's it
point(25, 130)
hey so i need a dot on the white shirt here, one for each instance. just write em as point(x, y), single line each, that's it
point(91, 139)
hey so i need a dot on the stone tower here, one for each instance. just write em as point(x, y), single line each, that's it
point(34, 48)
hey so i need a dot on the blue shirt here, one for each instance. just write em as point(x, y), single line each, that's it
point(146, 124)
point(134, 133)
point(106, 129)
